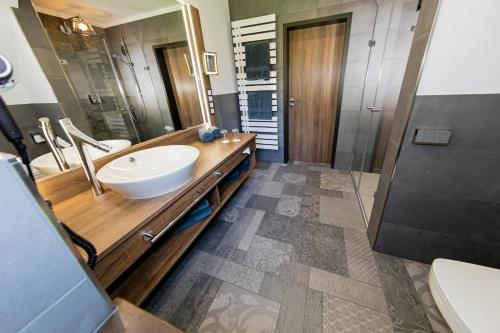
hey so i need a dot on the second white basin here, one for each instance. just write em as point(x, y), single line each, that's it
point(150, 172)
point(47, 164)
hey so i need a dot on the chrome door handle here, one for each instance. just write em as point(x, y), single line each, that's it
point(291, 101)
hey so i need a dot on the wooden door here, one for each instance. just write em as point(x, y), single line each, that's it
point(314, 68)
point(183, 84)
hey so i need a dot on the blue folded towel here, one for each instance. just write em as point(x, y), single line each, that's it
point(205, 135)
point(257, 59)
point(215, 131)
point(198, 213)
point(232, 176)
point(260, 105)
point(193, 219)
point(203, 204)
point(244, 165)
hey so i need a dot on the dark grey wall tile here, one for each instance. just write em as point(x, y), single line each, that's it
point(426, 211)
point(447, 195)
point(482, 221)
point(478, 176)
point(427, 169)
point(425, 246)
point(473, 118)
point(495, 259)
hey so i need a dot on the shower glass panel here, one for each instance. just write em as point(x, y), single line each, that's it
point(393, 35)
point(360, 89)
point(89, 72)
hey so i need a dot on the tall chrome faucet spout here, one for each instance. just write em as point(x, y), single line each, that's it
point(51, 139)
point(79, 140)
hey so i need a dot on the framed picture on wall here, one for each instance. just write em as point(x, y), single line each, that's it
point(210, 63)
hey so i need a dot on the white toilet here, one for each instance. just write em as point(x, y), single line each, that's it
point(467, 295)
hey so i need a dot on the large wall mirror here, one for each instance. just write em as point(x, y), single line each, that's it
point(122, 71)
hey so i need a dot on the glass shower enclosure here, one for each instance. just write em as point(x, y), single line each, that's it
point(388, 53)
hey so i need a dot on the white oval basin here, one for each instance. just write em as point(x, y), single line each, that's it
point(47, 164)
point(150, 172)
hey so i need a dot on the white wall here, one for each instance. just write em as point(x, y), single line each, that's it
point(32, 85)
point(216, 26)
point(464, 51)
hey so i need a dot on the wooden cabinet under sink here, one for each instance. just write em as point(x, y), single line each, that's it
point(134, 250)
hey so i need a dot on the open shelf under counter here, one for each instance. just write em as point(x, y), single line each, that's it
point(117, 226)
point(137, 284)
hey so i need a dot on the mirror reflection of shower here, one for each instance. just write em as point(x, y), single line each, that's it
point(127, 60)
point(128, 107)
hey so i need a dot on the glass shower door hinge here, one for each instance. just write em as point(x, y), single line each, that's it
point(371, 43)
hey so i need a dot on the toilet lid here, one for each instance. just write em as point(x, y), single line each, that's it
point(468, 295)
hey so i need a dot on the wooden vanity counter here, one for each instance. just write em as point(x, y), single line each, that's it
point(116, 225)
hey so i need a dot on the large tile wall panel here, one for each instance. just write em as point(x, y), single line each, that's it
point(444, 201)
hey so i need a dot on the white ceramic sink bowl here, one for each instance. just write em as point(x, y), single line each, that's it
point(150, 172)
point(47, 164)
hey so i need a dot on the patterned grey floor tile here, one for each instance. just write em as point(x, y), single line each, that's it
point(173, 289)
point(230, 213)
point(419, 274)
point(191, 312)
point(400, 294)
point(313, 178)
point(402, 325)
point(316, 245)
point(313, 314)
point(288, 205)
point(360, 260)
point(289, 168)
point(271, 189)
point(250, 231)
point(338, 181)
point(293, 178)
point(271, 171)
point(273, 287)
point(340, 212)
point(292, 309)
point(297, 190)
point(268, 255)
point(238, 256)
point(237, 310)
point(295, 272)
point(354, 291)
point(235, 233)
point(309, 207)
point(257, 174)
point(243, 194)
point(229, 271)
point(341, 316)
point(262, 165)
point(308, 255)
point(263, 203)
point(213, 236)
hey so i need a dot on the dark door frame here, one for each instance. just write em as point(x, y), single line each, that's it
point(347, 18)
point(167, 83)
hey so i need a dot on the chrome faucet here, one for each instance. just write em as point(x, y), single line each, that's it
point(79, 140)
point(51, 139)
